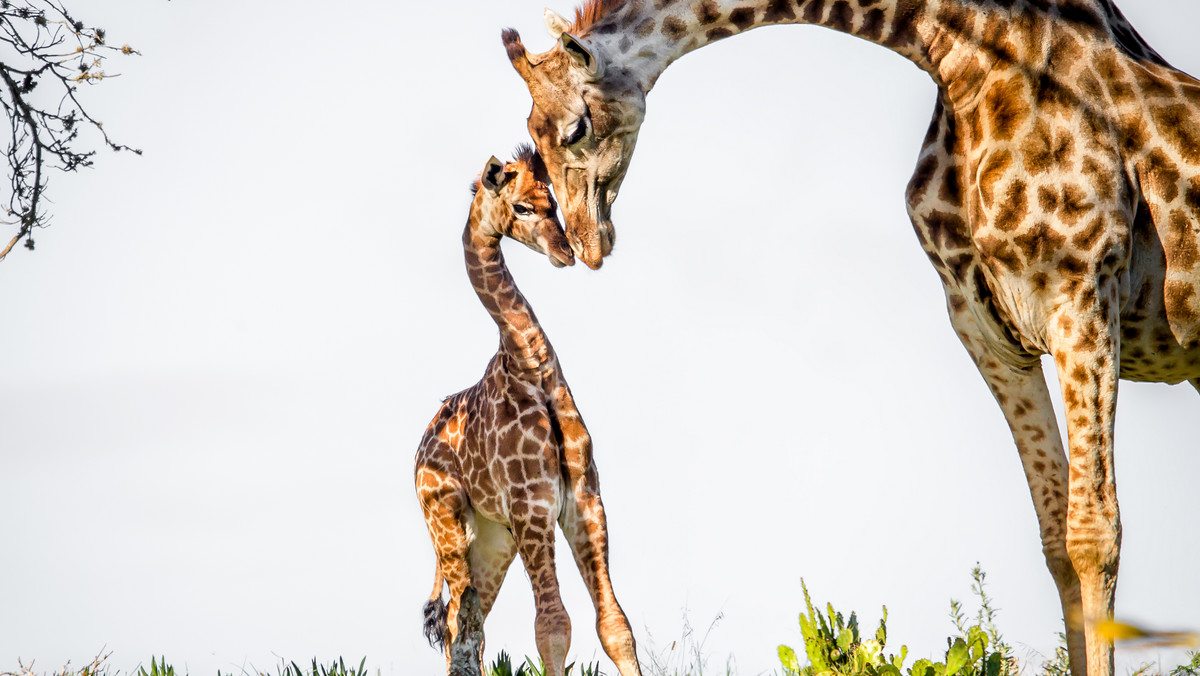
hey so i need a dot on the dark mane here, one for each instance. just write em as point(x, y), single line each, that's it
point(527, 155)
point(590, 13)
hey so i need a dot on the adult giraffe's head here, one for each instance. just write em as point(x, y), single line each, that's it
point(585, 120)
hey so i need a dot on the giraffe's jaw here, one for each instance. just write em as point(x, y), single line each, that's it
point(589, 228)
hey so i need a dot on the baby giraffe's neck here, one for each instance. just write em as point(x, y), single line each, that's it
point(521, 337)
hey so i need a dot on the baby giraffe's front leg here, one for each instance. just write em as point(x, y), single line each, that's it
point(586, 529)
point(533, 529)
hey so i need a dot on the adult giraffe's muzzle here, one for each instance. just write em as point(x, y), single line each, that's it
point(586, 214)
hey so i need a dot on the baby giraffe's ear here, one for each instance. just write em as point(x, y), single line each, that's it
point(555, 24)
point(493, 177)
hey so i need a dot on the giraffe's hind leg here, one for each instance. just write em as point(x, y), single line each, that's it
point(492, 552)
point(466, 652)
point(446, 507)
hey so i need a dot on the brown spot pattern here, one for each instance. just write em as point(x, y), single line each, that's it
point(674, 28)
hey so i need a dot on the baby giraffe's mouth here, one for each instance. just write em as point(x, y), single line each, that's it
point(560, 255)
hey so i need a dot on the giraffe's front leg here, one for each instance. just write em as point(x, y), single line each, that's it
point(1024, 398)
point(1084, 342)
point(586, 530)
point(533, 512)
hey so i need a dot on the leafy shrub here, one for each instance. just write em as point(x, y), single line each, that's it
point(835, 646)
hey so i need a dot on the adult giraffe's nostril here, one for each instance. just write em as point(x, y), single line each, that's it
point(608, 237)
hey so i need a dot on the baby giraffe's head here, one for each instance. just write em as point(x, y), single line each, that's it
point(514, 200)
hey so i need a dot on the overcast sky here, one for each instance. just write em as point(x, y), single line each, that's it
point(220, 359)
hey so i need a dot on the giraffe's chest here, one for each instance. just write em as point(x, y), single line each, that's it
point(511, 455)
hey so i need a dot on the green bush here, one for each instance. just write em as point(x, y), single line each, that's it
point(835, 646)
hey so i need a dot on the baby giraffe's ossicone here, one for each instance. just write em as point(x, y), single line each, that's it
point(506, 458)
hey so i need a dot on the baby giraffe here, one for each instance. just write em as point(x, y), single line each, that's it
point(507, 457)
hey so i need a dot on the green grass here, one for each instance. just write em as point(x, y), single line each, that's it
point(160, 667)
point(834, 645)
point(503, 666)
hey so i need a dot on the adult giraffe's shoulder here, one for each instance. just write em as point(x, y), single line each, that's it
point(1057, 194)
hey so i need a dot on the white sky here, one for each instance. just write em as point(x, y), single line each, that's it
point(220, 359)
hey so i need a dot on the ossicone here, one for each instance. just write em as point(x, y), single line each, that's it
point(516, 51)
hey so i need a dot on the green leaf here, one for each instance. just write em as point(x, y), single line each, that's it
point(845, 639)
point(881, 633)
point(921, 667)
point(787, 657)
point(899, 659)
point(994, 665)
point(956, 657)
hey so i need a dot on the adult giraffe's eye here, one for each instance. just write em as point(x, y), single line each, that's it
point(522, 210)
point(578, 132)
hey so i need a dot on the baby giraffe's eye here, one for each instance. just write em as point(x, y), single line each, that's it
point(522, 210)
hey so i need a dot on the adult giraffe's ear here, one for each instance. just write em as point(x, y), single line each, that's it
point(582, 56)
point(516, 52)
point(493, 177)
point(555, 24)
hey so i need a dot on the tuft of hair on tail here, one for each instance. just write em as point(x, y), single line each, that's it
point(435, 623)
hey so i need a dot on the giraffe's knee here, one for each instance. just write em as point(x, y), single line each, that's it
point(553, 619)
point(1060, 565)
point(1095, 549)
point(616, 636)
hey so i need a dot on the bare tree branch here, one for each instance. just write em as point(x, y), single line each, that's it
point(58, 54)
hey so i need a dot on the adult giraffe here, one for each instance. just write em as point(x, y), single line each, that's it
point(1057, 194)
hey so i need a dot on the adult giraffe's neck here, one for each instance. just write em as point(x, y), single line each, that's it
point(521, 337)
point(946, 38)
